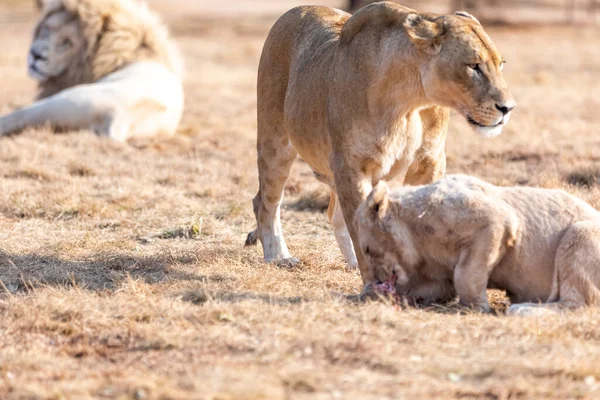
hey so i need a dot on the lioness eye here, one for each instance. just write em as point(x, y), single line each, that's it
point(67, 43)
point(367, 250)
point(475, 67)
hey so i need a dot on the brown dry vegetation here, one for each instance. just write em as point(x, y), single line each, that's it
point(125, 275)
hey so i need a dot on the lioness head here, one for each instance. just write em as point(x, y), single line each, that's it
point(462, 69)
point(385, 241)
point(57, 42)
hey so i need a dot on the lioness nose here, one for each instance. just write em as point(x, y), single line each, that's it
point(506, 107)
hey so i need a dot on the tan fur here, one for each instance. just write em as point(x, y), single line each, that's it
point(117, 33)
point(461, 235)
point(363, 98)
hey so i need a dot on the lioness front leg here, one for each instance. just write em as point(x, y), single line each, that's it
point(352, 188)
point(340, 230)
point(577, 272)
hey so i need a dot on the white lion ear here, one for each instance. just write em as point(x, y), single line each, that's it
point(467, 15)
point(378, 200)
point(425, 34)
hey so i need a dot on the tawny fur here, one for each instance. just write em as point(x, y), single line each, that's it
point(365, 98)
point(461, 235)
point(103, 65)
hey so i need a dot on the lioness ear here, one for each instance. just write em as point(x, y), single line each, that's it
point(378, 200)
point(467, 15)
point(425, 34)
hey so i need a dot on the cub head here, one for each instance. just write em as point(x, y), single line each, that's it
point(462, 69)
point(385, 240)
point(58, 41)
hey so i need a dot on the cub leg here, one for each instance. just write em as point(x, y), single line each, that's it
point(475, 264)
point(577, 272)
point(429, 291)
point(340, 230)
point(275, 158)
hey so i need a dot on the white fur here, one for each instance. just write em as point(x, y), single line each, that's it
point(142, 100)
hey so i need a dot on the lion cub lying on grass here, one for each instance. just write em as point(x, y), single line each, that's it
point(461, 235)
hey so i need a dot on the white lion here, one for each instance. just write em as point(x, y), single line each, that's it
point(462, 235)
point(104, 65)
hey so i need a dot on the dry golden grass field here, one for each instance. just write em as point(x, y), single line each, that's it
point(124, 273)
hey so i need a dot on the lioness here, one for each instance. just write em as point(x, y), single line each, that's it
point(461, 235)
point(365, 98)
point(104, 65)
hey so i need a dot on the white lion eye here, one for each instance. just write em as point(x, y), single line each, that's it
point(44, 31)
point(67, 43)
point(475, 67)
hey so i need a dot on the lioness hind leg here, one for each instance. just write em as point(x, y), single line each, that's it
point(275, 158)
point(340, 230)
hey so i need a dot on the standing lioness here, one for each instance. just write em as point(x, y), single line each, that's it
point(461, 235)
point(365, 98)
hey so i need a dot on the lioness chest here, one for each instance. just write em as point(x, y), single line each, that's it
point(380, 152)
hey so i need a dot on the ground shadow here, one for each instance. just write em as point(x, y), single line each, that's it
point(497, 306)
point(101, 272)
point(200, 296)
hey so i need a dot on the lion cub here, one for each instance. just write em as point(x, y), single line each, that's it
point(461, 235)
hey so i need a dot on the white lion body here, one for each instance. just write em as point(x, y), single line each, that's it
point(142, 100)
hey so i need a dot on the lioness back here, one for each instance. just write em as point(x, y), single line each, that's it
point(294, 62)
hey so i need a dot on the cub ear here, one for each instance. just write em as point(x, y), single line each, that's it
point(425, 34)
point(378, 200)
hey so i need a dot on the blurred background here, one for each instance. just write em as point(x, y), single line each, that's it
point(499, 11)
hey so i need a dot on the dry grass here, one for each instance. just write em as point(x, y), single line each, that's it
point(125, 274)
